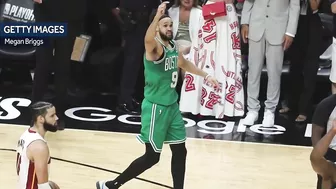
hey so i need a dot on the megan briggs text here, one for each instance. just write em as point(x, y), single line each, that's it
point(25, 41)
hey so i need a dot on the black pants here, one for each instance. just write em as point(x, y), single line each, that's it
point(59, 62)
point(149, 159)
point(304, 57)
point(133, 61)
point(330, 155)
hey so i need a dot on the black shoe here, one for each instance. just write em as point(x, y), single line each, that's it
point(127, 109)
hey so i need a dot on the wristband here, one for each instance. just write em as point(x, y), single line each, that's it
point(44, 186)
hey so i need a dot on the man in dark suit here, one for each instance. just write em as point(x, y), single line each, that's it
point(304, 57)
point(58, 50)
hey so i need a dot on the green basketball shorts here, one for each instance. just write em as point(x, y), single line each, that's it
point(161, 124)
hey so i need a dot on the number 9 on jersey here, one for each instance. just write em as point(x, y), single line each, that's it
point(174, 79)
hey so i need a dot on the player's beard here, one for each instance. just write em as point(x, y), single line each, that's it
point(50, 127)
point(165, 37)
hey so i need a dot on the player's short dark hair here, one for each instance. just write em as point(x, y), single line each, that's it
point(39, 109)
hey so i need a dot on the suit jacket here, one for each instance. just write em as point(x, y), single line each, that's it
point(274, 18)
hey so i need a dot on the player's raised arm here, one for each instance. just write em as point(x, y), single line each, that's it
point(38, 152)
point(150, 42)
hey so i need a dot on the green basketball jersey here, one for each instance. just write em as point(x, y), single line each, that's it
point(161, 77)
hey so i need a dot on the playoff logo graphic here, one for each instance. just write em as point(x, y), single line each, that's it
point(20, 11)
point(9, 110)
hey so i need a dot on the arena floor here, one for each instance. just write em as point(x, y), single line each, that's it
point(81, 157)
point(99, 144)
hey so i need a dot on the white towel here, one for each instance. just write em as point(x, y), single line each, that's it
point(217, 53)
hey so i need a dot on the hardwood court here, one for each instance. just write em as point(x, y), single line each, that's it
point(211, 164)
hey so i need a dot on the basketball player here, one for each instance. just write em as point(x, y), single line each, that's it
point(161, 119)
point(32, 150)
point(323, 167)
point(322, 122)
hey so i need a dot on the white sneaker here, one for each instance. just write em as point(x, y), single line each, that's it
point(101, 185)
point(268, 119)
point(251, 118)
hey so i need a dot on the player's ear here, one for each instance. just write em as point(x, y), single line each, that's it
point(40, 118)
point(157, 28)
